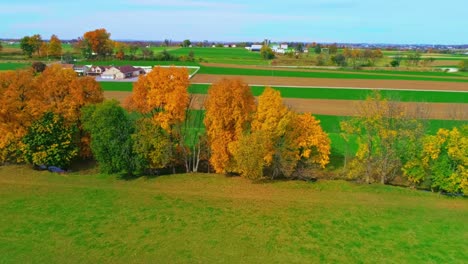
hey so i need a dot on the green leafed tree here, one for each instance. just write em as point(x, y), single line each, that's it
point(26, 46)
point(50, 142)
point(267, 53)
point(110, 128)
point(442, 161)
point(152, 145)
point(385, 135)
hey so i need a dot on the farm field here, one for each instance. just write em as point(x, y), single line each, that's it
point(324, 93)
point(4, 66)
point(88, 217)
point(437, 85)
point(239, 56)
point(328, 74)
point(316, 69)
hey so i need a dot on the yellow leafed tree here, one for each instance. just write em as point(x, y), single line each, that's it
point(229, 107)
point(291, 140)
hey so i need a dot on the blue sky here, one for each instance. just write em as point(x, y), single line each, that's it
point(377, 21)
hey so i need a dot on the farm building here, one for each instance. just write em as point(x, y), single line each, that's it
point(255, 47)
point(122, 72)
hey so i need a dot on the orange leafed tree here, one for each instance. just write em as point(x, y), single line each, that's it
point(63, 92)
point(19, 107)
point(163, 94)
point(99, 42)
point(229, 107)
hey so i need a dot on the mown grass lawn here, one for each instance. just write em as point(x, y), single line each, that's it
point(205, 218)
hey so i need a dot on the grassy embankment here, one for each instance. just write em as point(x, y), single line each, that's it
point(87, 217)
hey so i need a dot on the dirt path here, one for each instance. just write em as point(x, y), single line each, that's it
point(328, 82)
point(344, 107)
point(260, 67)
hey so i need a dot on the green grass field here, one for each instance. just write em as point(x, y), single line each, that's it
point(84, 217)
point(223, 55)
point(4, 66)
point(316, 74)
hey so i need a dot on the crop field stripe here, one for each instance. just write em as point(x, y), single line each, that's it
point(333, 75)
point(350, 88)
point(326, 93)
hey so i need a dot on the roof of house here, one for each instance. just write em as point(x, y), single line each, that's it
point(128, 69)
point(67, 66)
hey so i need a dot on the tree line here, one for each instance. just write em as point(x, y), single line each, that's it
point(393, 142)
point(54, 117)
point(95, 44)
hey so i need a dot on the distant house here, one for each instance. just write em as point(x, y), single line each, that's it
point(284, 46)
point(122, 72)
point(96, 70)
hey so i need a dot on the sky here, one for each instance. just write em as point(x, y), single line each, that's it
point(344, 21)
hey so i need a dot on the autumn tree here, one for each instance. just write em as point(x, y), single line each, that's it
point(44, 50)
point(19, 108)
point(442, 161)
point(250, 153)
point(161, 94)
point(229, 107)
point(64, 93)
point(50, 141)
point(96, 42)
point(304, 144)
point(120, 50)
point(354, 56)
point(26, 95)
point(55, 47)
point(1, 46)
point(384, 132)
point(111, 128)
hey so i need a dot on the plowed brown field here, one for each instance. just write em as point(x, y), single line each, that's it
point(326, 82)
